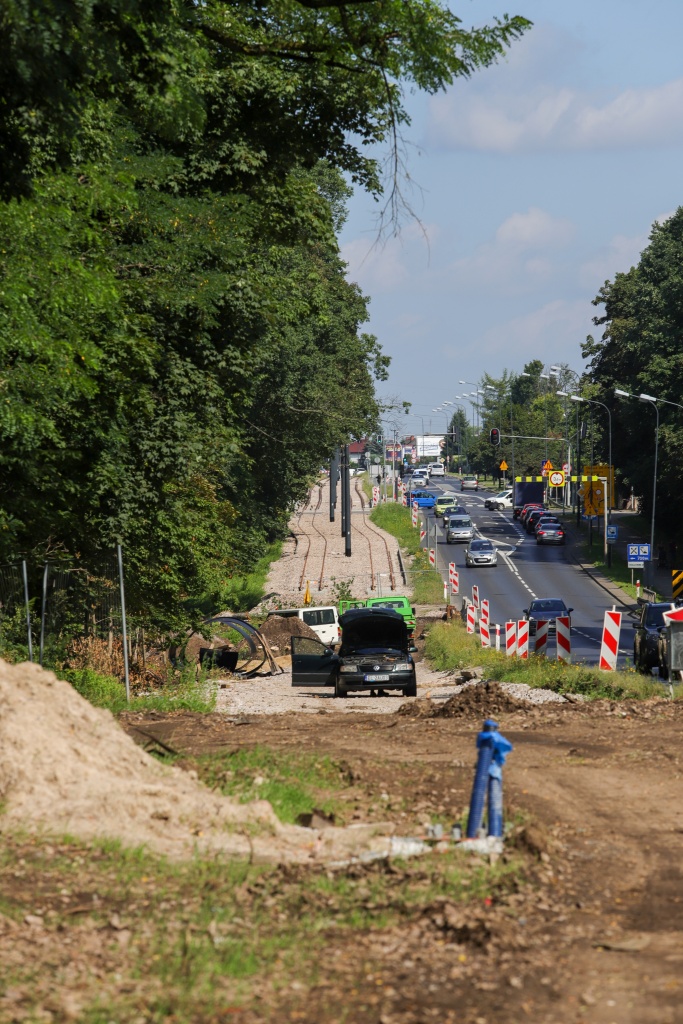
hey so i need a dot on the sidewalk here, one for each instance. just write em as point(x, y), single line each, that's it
point(627, 534)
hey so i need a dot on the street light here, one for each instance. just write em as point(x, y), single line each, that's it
point(650, 400)
point(610, 472)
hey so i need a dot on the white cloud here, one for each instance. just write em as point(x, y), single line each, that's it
point(387, 267)
point(620, 254)
point(518, 256)
point(540, 117)
point(553, 333)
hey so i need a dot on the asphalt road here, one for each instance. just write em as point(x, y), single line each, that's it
point(526, 570)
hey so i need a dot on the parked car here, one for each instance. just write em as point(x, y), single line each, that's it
point(323, 621)
point(501, 500)
point(469, 483)
point(459, 529)
point(375, 654)
point(648, 647)
point(453, 510)
point(549, 533)
point(424, 499)
point(481, 552)
point(397, 603)
point(546, 609)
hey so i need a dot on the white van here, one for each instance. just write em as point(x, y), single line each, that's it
point(436, 469)
point(323, 621)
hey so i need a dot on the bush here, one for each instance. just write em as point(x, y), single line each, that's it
point(185, 693)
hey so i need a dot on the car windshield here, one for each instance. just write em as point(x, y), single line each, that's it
point(551, 524)
point(654, 616)
point(481, 545)
point(550, 604)
point(460, 521)
point(502, 494)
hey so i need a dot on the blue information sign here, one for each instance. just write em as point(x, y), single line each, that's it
point(612, 534)
point(637, 555)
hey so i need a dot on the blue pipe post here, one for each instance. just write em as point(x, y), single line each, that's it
point(485, 746)
point(488, 781)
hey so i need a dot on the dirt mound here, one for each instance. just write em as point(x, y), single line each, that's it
point(481, 700)
point(68, 767)
point(277, 629)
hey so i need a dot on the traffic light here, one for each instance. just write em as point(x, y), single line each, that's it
point(495, 436)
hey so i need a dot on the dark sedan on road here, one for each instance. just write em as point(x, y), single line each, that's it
point(648, 648)
point(550, 532)
point(546, 609)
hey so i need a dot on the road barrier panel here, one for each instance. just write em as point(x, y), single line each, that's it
point(497, 637)
point(432, 556)
point(475, 595)
point(423, 534)
point(609, 648)
point(484, 611)
point(471, 621)
point(511, 639)
point(454, 578)
point(564, 640)
point(484, 633)
point(541, 645)
point(523, 639)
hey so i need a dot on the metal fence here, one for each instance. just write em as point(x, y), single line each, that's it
point(44, 607)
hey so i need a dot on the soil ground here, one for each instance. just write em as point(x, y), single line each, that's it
point(596, 936)
point(584, 924)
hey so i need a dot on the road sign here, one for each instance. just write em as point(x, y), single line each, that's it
point(674, 616)
point(612, 534)
point(503, 466)
point(556, 478)
point(565, 467)
point(547, 465)
point(676, 583)
point(637, 555)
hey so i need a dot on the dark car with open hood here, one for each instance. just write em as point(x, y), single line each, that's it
point(375, 654)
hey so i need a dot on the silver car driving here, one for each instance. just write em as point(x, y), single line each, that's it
point(481, 552)
point(459, 530)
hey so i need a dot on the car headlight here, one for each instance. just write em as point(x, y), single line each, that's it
point(402, 666)
point(348, 668)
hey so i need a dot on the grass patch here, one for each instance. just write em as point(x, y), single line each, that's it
point(293, 783)
point(205, 938)
point(186, 693)
point(427, 582)
point(243, 592)
point(449, 646)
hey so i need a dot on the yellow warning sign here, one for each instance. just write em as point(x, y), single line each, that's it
point(676, 583)
point(547, 465)
point(503, 466)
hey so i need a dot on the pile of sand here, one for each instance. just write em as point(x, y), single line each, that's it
point(277, 629)
point(482, 700)
point(68, 767)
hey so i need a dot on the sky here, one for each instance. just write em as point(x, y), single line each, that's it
point(539, 179)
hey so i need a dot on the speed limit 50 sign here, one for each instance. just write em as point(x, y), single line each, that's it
point(556, 478)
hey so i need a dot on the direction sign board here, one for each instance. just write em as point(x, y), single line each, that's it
point(556, 478)
point(637, 555)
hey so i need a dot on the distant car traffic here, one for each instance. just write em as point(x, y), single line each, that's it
point(546, 609)
point(469, 483)
point(459, 529)
point(499, 501)
point(481, 552)
point(453, 510)
point(519, 513)
point(443, 502)
point(436, 469)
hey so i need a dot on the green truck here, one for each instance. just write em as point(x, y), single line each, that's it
point(396, 602)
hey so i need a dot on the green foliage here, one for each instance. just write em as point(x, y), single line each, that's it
point(396, 519)
point(640, 352)
point(184, 694)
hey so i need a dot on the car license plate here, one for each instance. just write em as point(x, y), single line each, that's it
point(377, 678)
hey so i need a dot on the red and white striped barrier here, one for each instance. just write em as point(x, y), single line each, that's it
point(609, 649)
point(564, 639)
point(423, 534)
point(445, 591)
point(510, 639)
point(485, 611)
point(432, 556)
point(485, 633)
point(475, 595)
point(404, 499)
point(497, 637)
point(541, 645)
point(375, 495)
point(454, 578)
point(414, 514)
point(471, 620)
point(523, 639)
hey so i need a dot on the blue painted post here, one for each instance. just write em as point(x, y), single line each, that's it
point(495, 800)
point(485, 746)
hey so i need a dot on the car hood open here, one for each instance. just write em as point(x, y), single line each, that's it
point(372, 627)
